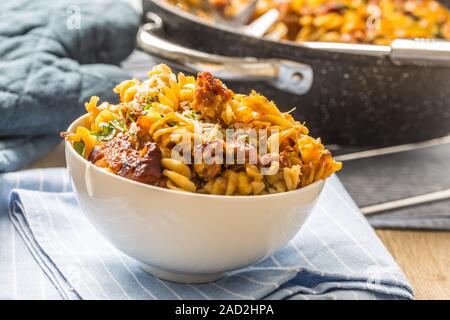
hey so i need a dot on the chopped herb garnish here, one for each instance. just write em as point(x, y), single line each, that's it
point(129, 117)
point(171, 124)
point(151, 99)
point(108, 130)
point(79, 147)
point(192, 115)
point(117, 124)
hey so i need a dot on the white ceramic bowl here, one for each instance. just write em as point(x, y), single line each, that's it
point(186, 237)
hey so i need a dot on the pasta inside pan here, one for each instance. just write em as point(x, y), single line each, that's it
point(350, 21)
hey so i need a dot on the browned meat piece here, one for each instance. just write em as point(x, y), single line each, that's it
point(208, 169)
point(210, 96)
point(116, 152)
point(285, 160)
point(121, 157)
point(146, 168)
point(96, 154)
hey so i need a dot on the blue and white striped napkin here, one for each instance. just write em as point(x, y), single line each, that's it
point(53, 252)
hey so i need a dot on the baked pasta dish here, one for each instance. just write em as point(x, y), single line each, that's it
point(351, 21)
point(196, 135)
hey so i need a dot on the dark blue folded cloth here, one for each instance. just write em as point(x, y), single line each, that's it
point(54, 55)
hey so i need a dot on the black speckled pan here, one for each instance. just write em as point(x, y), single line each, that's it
point(359, 95)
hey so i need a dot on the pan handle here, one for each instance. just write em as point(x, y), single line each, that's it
point(289, 76)
point(421, 52)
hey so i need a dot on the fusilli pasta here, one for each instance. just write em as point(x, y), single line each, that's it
point(165, 124)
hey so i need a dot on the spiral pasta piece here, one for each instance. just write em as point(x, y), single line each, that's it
point(164, 123)
point(177, 166)
point(291, 177)
point(181, 181)
point(127, 89)
point(232, 182)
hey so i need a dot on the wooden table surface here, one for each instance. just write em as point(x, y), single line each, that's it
point(424, 256)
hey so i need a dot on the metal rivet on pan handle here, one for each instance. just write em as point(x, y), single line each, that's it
point(294, 77)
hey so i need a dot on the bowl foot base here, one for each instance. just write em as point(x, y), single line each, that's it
point(181, 277)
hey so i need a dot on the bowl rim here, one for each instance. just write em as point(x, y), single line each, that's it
point(70, 148)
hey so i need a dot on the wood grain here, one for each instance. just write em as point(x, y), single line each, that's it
point(424, 256)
